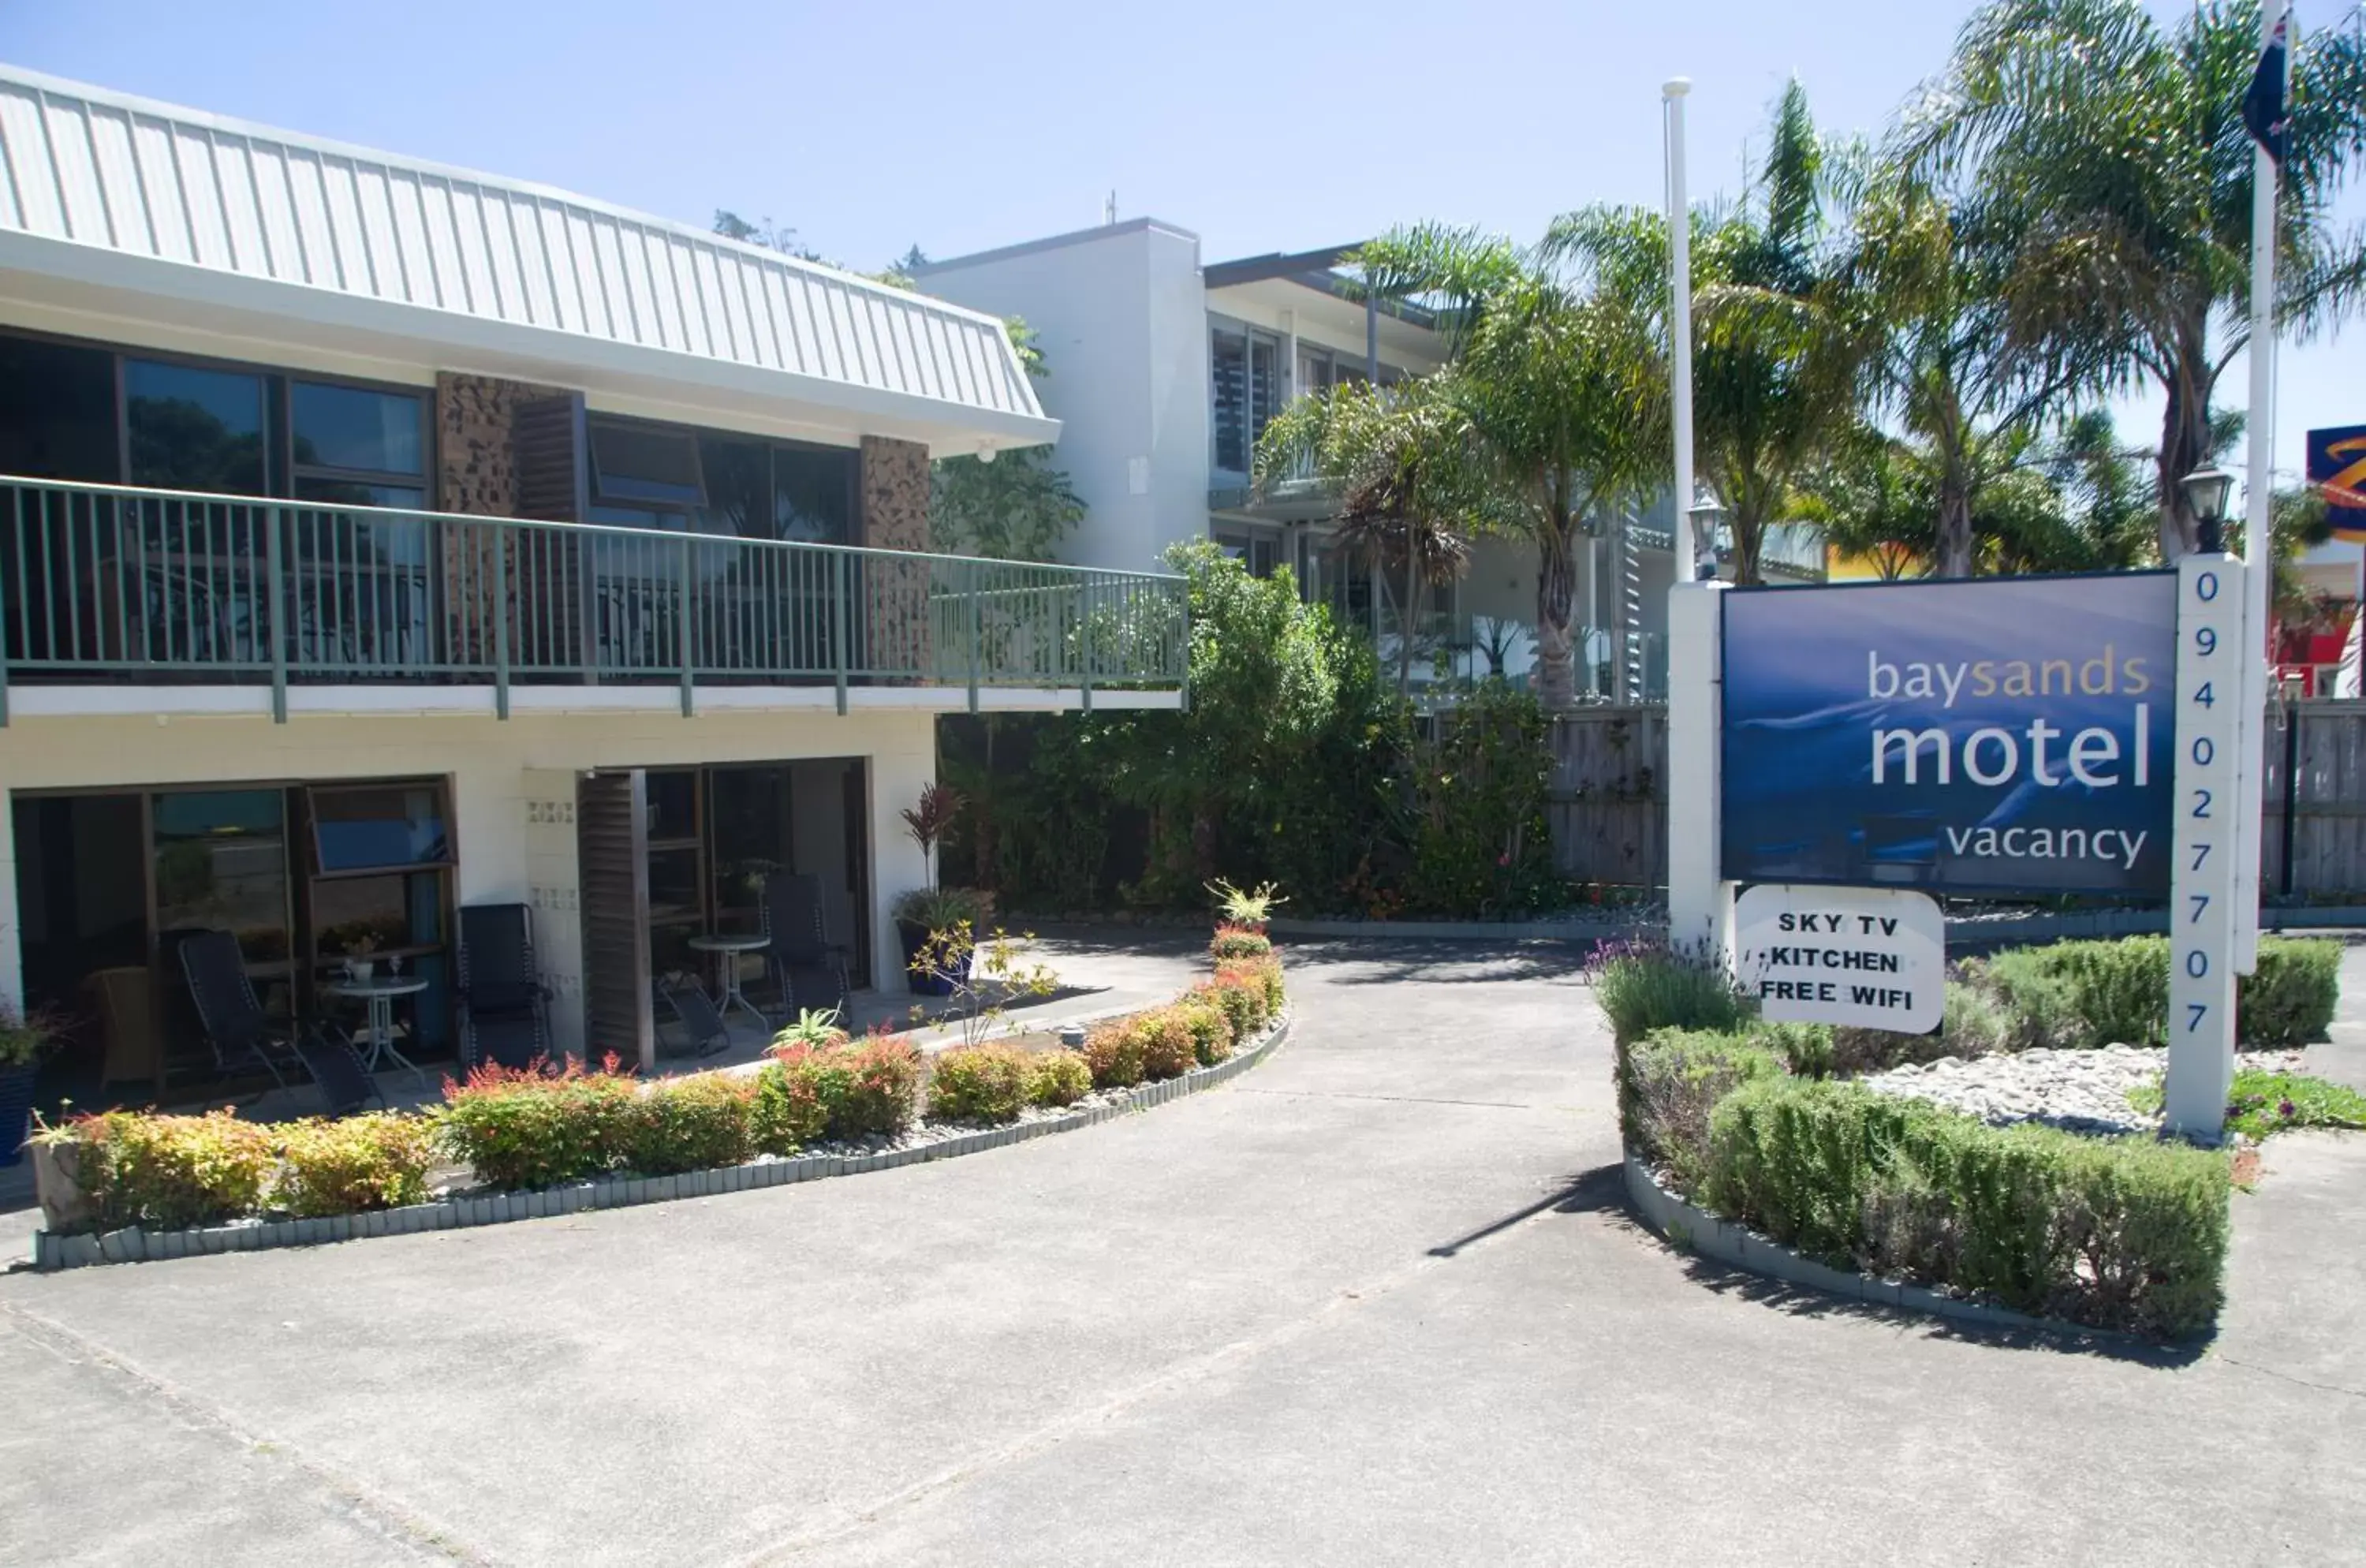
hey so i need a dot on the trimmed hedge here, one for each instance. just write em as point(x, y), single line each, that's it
point(2101, 993)
point(1058, 1077)
point(376, 1161)
point(866, 1088)
point(2117, 1234)
point(1669, 1082)
point(165, 1172)
point(980, 1083)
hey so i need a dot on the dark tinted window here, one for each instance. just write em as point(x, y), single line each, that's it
point(353, 427)
point(635, 462)
point(813, 494)
point(195, 429)
point(57, 411)
point(385, 825)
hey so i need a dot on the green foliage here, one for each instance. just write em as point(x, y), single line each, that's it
point(1210, 1028)
point(24, 1037)
point(2123, 1235)
point(786, 1112)
point(2291, 998)
point(866, 1088)
point(165, 1172)
point(524, 1127)
point(2097, 993)
point(1237, 941)
point(980, 1083)
point(1167, 1043)
point(376, 1161)
point(1058, 1077)
point(2259, 1103)
point(1641, 987)
point(697, 1123)
point(2103, 144)
point(1669, 1082)
point(1017, 507)
point(812, 1028)
point(1113, 1055)
point(1249, 907)
point(1473, 808)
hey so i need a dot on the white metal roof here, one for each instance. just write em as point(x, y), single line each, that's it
point(167, 201)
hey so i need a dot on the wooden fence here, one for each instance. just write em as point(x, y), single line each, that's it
point(1609, 800)
point(2314, 839)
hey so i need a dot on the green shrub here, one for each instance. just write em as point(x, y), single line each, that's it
point(1113, 1055)
point(1167, 1047)
point(1641, 987)
point(865, 1089)
point(1212, 1030)
point(1242, 1006)
point(529, 1127)
point(2117, 1234)
point(979, 1083)
point(2291, 998)
point(2087, 994)
point(1670, 1081)
point(1806, 1049)
point(1057, 1078)
point(377, 1161)
point(1262, 975)
point(786, 1112)
point(166, 1172)
point(696, 1122)
point(1238, 942)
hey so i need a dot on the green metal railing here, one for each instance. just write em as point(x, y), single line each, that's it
point(113, 582)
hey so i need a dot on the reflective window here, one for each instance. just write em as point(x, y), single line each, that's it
point(380, 826)
point(353, 427)
point(193, 428)
point(222, 864)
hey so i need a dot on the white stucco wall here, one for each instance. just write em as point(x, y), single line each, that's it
point(1120, 316)
point(512, 790)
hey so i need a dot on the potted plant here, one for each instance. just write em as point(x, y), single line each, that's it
point(25, 1039)
point(924, 913)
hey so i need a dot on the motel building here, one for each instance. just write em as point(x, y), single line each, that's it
point(379, 540)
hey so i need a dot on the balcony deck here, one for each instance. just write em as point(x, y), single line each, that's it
point(240, 602)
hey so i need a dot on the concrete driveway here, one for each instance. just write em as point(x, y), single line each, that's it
point(1371, 1303)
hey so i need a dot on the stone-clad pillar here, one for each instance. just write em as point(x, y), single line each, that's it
point(895, 518)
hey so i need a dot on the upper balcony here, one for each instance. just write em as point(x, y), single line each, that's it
point(245, 604)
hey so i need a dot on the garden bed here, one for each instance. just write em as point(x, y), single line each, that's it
point(130, 1186)
point(1965, 1165)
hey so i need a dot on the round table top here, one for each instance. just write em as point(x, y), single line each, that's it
point(376, 986)
point(730, 941)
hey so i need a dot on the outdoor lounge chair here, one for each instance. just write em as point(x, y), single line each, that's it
point(701, 1025)
point(345, 1083)
point(503, 1018)
point(809, 970)
point(242, 1036)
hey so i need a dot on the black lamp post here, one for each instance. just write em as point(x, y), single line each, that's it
point(2206, 490)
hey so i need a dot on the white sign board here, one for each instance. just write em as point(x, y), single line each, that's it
point(1872, 958)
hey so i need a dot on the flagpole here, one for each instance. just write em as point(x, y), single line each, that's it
point(2258, 550)
point(1680, 324)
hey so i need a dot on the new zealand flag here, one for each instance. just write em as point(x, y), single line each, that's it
point(2264, 115)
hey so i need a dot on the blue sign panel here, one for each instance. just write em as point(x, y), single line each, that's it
point(2337, 466)
point(1995, 735)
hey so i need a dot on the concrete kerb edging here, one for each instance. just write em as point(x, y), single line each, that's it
point(136, 1246)
point(1696, 1230)
point(1960, 933)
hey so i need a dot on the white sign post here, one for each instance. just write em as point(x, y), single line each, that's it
point(2212, 653)
point(1871, 958)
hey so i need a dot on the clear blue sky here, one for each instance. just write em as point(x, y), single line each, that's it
point(1263, 127)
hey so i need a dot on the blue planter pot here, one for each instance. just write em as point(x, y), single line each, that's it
point(912, 939)
point(16, 1111)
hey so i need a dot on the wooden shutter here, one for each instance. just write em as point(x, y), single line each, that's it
point(549, 630)
point(612, 844)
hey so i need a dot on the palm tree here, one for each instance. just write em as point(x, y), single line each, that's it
point(1783, 335)
point(1409, 471)
point(2112, 150)
point(1565, 391)
point(1930, 265)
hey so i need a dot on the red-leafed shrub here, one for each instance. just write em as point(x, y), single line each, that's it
point(1165, 1038)
point(1113, 1053)
point(868, 1086)
point(535, 1126)
point(1238, 942)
